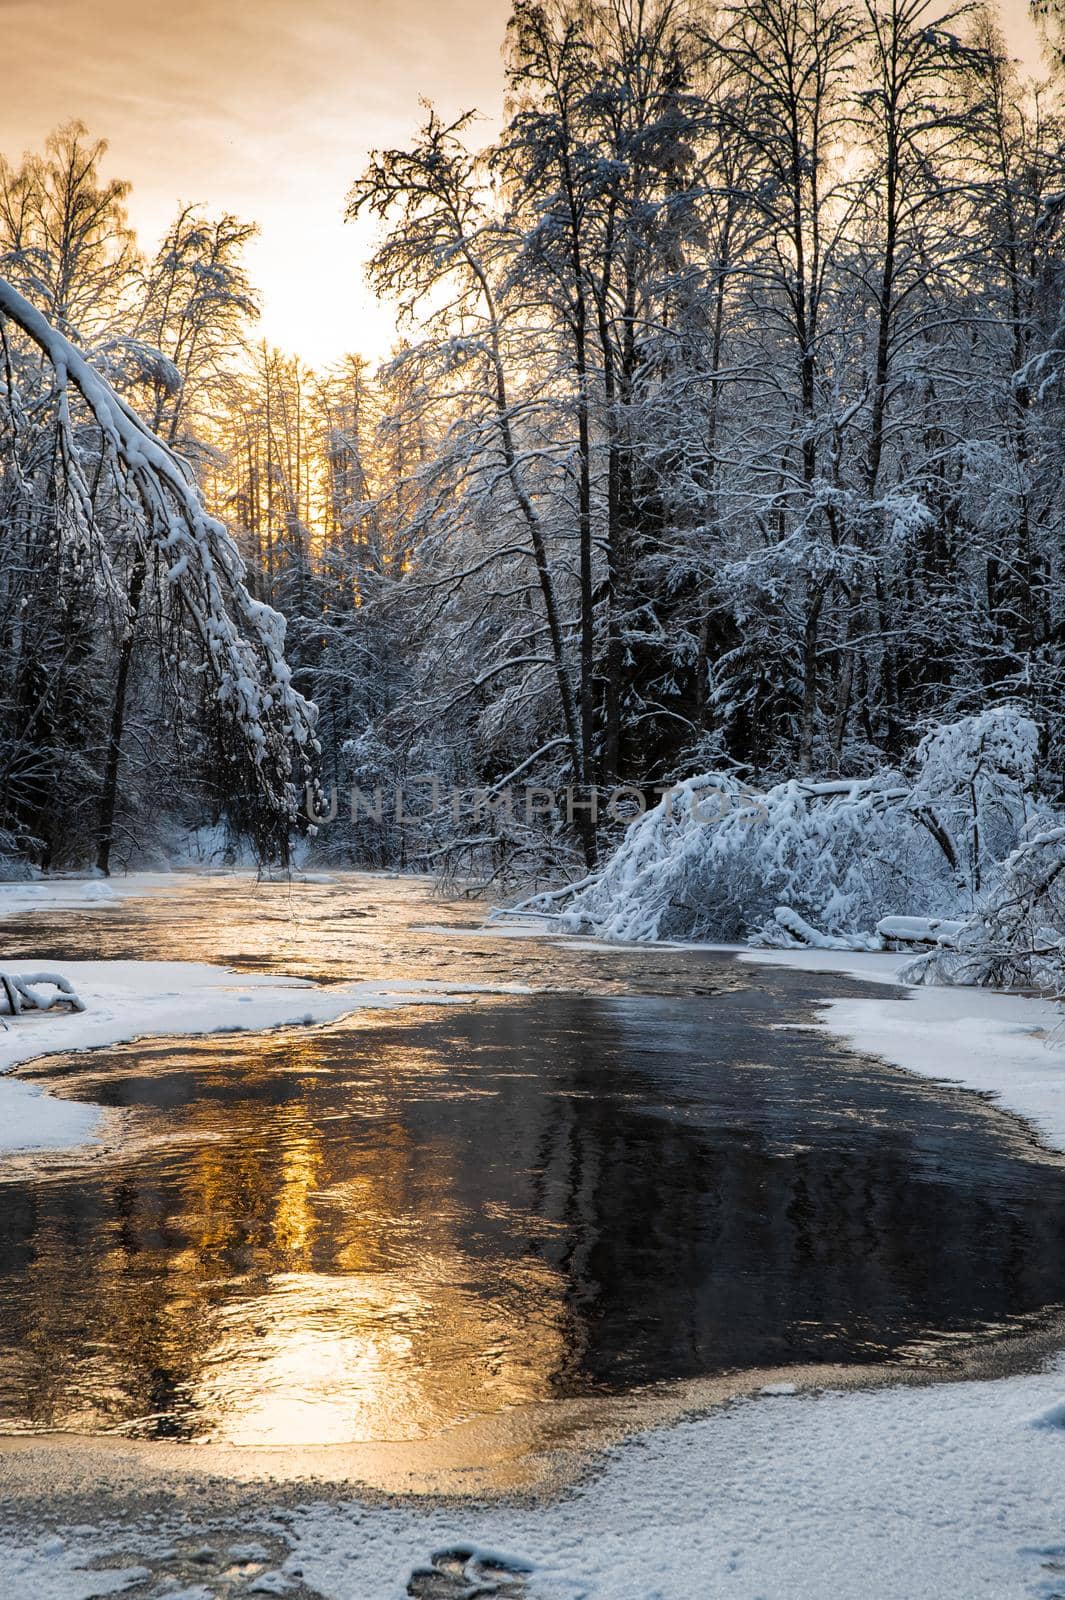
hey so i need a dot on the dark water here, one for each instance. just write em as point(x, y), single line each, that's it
point(377, 1229)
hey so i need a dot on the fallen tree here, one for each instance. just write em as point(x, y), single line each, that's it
point(960, 856)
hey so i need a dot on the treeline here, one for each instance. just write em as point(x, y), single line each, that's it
point(739, 358)
point(727, 433)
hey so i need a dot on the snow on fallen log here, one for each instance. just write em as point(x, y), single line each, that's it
point(921, 930)
point(22, 996)
point(812, 937)
point(521, 911)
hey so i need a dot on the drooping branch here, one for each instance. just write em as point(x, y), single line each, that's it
point(242, 640)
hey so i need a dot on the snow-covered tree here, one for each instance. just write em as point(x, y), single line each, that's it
point(826, 862)
point(121, 485)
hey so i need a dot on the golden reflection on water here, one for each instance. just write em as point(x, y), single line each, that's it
point(362, 1353)
point(294, 1220)
point(329, 1360)
point(282, 1283)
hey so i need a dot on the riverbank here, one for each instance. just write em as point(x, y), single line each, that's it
point(1010, 1047)
point(896, 1494)
point(127, 1000)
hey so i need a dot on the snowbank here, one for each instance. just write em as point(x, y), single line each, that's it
point(127, 1000)
point(27, 897)
point(1004, 1045)
point(897, 1494)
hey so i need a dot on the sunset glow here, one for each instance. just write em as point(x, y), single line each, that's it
point(310, 87)
point(264, 109)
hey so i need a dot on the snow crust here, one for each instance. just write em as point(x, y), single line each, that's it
point(896, 1494)
point(52, 1568)
point(891, 1494)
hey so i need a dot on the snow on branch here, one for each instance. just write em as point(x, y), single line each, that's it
point(963, 858)
point(21, 992)
point(242, 640)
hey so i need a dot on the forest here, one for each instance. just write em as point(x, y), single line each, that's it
point(724, 437)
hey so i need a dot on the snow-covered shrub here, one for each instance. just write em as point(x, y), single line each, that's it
point(1020, 936)
point(820, 862)
point(974, 784)
point(1017, 938)
point(658, 884)
point(14, 868)
point(714, 861)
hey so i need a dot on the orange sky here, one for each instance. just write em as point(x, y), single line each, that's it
point(266, 108)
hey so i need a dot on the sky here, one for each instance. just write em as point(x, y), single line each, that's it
point(268, 109)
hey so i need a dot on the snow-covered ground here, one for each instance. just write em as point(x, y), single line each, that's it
point(59, 892)
point(944, 1493)
point(1004, 1045)
point(893, 1495)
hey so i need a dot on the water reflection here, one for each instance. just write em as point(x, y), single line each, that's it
point(377, 1230)
point(358, 926)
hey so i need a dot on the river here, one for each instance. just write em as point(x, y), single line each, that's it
point(652, 1170)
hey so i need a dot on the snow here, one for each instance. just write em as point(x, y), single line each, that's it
point(802, 931)
point(31, 1120)
point(51, 1568)
point(900, 1493)
point(1007, 1046)
point(127, 1000)
point(896, 1493)
point(1052, 1417)
point(23, 993)
point(28, 897)
point(920, 930)
point(821, 864)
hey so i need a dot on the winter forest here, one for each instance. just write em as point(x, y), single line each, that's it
point(723, 449)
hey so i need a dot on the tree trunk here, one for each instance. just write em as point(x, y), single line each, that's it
point(109, 793)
